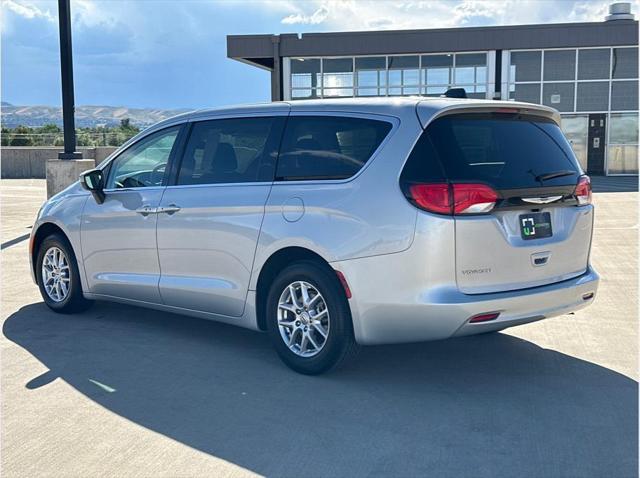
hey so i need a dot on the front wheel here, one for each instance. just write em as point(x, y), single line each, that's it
point(308, 318)
point(58, 276)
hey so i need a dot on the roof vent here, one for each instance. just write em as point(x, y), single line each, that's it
point(619, 11)
point(455, 93)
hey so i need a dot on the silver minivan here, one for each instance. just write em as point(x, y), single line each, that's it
point(331, 224)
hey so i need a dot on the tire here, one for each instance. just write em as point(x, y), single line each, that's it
point(66, 297)
point(339, 344)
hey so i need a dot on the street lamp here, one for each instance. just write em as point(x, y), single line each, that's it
point(66, 67)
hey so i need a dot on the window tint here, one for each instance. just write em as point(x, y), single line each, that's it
point(323, 147)
point(503, 150)
point(228, 151)
point(144, 163)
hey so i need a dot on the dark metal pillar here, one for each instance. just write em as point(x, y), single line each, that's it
point(66, 67)
point(276, 73)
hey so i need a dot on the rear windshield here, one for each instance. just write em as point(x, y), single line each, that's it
point(506, 151)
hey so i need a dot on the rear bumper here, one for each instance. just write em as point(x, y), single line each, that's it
point(394, 315)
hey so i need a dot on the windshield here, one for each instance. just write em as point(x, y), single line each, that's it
point(507, 151)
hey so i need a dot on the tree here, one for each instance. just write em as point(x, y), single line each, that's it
point(22, 136)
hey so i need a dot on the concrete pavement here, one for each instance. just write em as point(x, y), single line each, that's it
point(122, 391)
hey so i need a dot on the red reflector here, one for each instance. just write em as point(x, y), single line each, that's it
point(459, 198)
point(432, 197)
point(583, 190)
point(345, 286)
point(484, 317)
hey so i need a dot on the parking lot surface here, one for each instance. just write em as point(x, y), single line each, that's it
point(123, 391)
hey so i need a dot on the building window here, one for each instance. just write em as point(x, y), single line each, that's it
point(337, 77)
point(404, 75)
point(593, 96)
point(559, 96)
point(624, 95)
point(593, 64)
point(305, 78)
point(623, 144)
point(559, 65)
point(395, 75)
point(371, 76)
point(624, 63)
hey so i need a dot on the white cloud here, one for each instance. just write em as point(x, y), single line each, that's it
point(27, 10)
point(319, 16)
point(390, 14)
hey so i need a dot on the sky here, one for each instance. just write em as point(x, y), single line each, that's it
point(172, 54)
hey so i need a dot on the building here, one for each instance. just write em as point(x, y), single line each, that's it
point(587, 71)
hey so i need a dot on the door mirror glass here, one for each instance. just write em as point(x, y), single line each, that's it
point(93, 180)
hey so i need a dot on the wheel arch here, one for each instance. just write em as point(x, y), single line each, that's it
point(44, 230)
point(272, 267)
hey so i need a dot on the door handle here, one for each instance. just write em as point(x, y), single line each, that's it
point(170, 209)
point(146, 210)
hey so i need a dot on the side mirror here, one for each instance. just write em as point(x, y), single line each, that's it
point(93, 181)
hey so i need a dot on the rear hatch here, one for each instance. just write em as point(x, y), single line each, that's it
point(520, 202)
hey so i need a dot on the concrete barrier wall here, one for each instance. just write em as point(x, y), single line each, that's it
point(26, 162)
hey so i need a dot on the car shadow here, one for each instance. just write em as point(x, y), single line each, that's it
point(490, 405)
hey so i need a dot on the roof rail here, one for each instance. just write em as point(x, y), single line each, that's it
point(455, 93)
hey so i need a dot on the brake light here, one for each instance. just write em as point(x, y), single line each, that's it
point(583, 190)
point(458, 198)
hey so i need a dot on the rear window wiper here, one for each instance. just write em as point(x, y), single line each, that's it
point(555, 174)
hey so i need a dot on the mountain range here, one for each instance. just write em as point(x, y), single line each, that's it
point(86, 116)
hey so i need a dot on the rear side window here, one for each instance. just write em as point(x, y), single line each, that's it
point(505, 151)
point(237, 150)
point(327, 147)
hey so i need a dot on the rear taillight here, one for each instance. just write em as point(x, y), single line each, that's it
point(583, 190)
point(458, 198)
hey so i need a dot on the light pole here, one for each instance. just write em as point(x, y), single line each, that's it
point(66, 68)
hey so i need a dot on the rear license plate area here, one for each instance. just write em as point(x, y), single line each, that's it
point(535, 225)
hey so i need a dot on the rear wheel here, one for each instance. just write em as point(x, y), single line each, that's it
point(58, 276)
point(308, 319)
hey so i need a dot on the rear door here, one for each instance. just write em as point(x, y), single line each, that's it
point(537, 232)
point(209, 218)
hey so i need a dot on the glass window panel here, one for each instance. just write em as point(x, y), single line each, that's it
point(593, 96)
point(624, 63)
point(529, 93)
point(329, 92)
point(476, 95)
point(370, 92)
point(622, 160)
point(411, 91)
point(471, 59)
point(437, 61)
point(337, 72)
point(410, 77)
point(403, 62)
point(395, 91)
point(438, 76)
point(575, 129)
point(464, 75)
point(593, 64)
point(143, 164)
point(623, 128)
point(305, 73)
point(624, 95)
point(325, 147)
point(368, 78)
point(526, 65)
point(436, 90)
point(227, 151)
point(558, 95)
point(305, 93)
point(481, 74)
point(559, 65)
point(395, 77)
point(371, 63)
point(337, 80)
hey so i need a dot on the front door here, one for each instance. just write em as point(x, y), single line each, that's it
point(576, 130)
point(209, 220)
point(596, 143)
point(119, 236)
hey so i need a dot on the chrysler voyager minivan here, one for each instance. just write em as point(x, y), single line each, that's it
point(331, 224)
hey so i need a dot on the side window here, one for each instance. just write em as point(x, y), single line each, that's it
point(144, 163)
point(328, 147)
point(234, 150)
